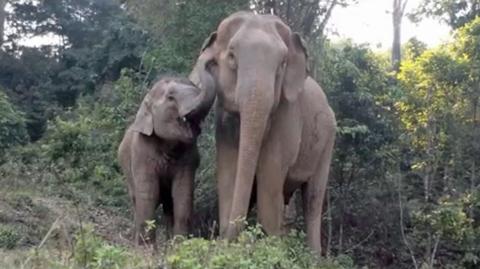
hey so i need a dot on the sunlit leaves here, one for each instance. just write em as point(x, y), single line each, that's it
point(456, 13)
point(438, 112)
point(431, 84)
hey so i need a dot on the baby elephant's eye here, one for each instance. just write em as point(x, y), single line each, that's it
point(170, 98)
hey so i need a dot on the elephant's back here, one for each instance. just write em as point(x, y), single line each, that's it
point(315, 106)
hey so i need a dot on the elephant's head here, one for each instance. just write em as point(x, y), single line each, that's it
point(258, 62)
point(252, 55)
point(174, 108)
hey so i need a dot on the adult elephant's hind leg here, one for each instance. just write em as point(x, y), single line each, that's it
point(313, 193)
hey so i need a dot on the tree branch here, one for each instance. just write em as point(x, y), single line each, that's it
point(434, 252)
point(361, 242)
point(328, 14)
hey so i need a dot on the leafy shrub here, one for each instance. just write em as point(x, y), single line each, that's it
point(92, 252)
point(8, 237)
point(252, 249)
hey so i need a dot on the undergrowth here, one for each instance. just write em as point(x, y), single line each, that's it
point(252, 249)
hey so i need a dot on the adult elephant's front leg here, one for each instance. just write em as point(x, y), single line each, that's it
point(227, 157)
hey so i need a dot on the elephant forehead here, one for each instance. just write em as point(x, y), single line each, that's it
point(246, 16)
point(158, 89)
point(231, 22)
point(182, 91)
point(245, 21)
point(172, 86)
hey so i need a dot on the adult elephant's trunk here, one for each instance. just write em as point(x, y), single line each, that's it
point(255, 109)
point(206, 98)
point(199, 76)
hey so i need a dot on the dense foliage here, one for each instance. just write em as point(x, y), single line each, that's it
point(12, 125)
point(404, 188)
point(456, 13)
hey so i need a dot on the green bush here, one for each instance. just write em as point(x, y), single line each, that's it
point(8, 237)
point(91, 252)
point(252, 249)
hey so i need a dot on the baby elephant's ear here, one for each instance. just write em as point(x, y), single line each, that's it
point(144, 121)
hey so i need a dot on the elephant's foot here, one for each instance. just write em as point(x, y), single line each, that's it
point(234, 228)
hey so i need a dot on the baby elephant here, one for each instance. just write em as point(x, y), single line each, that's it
point(159, 155)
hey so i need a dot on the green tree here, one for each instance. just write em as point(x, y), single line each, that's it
point(187, 25)
point(467, 50)
point(439, 119)
point(13, 130)
point(23, 77)
point(304, 16)
point(307, 17)
point(357, 84)
point(413, 48)
point(97, 41)
point(455, 13)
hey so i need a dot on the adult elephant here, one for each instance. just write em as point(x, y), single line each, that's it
point(274, 126)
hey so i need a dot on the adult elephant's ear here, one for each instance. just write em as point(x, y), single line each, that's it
point(209, 41)
point(144, 121)
point(204, 61)
point(296, 71)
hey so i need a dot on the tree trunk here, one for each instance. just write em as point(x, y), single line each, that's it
point(396, 50)
point(3, 3)
point(289, 11)
point(431, 131)
point(329, 223)
point(398, 11)
point(473, 169)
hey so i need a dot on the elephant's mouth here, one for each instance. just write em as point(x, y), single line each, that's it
point(190, 124)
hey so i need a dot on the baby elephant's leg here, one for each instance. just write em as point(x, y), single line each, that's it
point(182, 193)
point(146, 201)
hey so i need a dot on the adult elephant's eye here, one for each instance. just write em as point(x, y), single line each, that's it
point(284, 63)
point(232, 62)
point(170, 98)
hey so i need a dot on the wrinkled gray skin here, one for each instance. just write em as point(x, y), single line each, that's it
point(159, 155)
point(275, 130)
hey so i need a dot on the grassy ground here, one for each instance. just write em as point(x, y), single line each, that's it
point(30, 220)
point(47, 231)
point(47, 222)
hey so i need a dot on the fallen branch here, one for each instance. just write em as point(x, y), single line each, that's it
point(361, 242)
point(47, 235)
